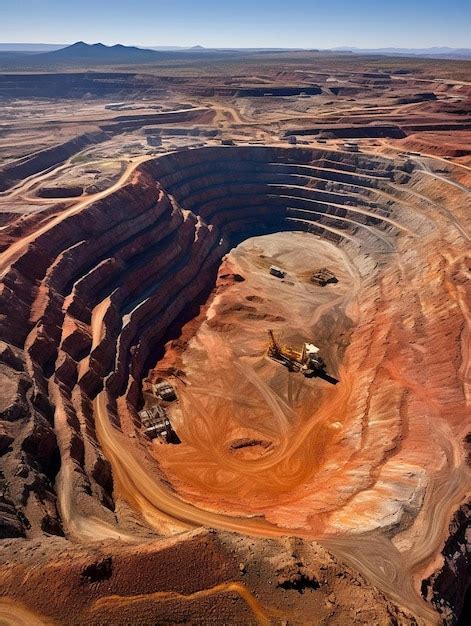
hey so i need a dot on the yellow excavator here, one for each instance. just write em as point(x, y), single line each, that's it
point(306, 360)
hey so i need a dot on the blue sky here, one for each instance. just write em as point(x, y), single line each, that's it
point(240, 23)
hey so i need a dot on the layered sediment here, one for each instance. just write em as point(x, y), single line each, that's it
point(45, 159)
point(86, 303)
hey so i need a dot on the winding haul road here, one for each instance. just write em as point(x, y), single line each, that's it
point(13, 251)
point(372, 553)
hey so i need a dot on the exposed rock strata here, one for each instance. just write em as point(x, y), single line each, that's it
point(44, 159)
point(133, 261)
point(449, 587)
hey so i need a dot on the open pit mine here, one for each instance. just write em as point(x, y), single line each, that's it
point(236, 379)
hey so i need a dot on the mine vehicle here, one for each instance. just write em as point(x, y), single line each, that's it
point(156, 423)
point(164, 391)
point(277, 271)
point(351, 147)
point(323, 277)
point(307, 360)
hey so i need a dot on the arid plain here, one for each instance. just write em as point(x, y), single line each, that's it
point(141, 211)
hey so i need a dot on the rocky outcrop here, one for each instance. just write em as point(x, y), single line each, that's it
point(449, 587)
point(200, 577)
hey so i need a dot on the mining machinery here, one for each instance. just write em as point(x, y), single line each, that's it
point(307, 360)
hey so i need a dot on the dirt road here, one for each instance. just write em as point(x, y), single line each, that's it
point(13, 251)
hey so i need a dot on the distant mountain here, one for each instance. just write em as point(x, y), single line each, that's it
point(81, 53)
point(434, 52)
point(50, 57)
point(103, 54)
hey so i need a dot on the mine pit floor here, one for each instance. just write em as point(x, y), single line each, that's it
point(251, 431)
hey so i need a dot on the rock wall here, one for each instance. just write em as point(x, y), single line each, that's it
point(85, 303)
point(45, 159)
point(141, 254)
point(448, 588)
